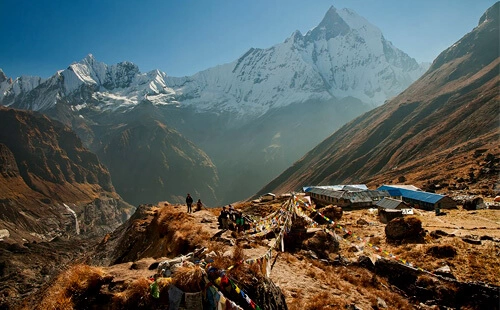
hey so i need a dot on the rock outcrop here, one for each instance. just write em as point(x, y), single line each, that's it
point(51, 183)
point(438, 290)
point(404, 229)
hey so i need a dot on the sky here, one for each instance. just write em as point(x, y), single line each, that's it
point(182, 37)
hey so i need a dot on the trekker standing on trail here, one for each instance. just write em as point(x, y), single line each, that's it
point(240, 222)
point(232, 213)
point(199, 205)
point(189, 202)
point(224, 215)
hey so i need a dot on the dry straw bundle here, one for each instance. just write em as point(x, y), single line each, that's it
point(188, 278)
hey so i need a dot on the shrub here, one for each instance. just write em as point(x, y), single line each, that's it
point(72, 287)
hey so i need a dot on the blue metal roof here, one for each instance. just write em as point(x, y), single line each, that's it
point(416, 195)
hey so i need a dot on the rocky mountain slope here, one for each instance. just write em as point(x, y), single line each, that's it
point(253, 117)
point(55, 197)
point(51, 184)
point(442, 129)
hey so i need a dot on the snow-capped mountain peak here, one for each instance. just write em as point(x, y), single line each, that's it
point(90, 83)
point(344, 56)
point(3, 77)
point(10, 89)
point(331, 26)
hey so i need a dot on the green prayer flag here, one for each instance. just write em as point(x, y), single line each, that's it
point(155, 291)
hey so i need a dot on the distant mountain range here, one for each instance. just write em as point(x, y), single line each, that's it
point(344, 56)
point(253, 117)
point(442, 131)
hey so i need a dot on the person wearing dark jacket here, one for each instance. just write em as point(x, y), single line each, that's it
point(189, 203)
point(224, 218)
point(199, 205)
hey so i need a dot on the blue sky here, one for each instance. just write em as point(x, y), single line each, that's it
point(182, 37)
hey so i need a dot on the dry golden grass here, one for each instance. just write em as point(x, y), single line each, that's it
point(470, 263)
point(359, 277)
point(188, 278)
point(289, 258)
point(182, 233)
point(238, 254)
point(136, 295)
point(215, 211)
point(71, 285)
point(336, 287)
point(322, 300)
point(219, 261)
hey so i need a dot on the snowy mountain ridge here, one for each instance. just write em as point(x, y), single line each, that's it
point(344, 56)
point(89, 82)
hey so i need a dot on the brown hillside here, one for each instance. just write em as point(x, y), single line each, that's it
point(55, 196)
point(431, 132)
point(44, 166)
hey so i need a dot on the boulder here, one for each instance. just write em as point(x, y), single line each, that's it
point(405, 228)
point(362, 222)
point(442, 251)
point(474, 204)
point(436, 234)
point(4, 233)
point(322, 244)
point(445, 271)
point(381, 303)
point(471, 241)
point(444, 291)
point(365, 262)
point(334, 213)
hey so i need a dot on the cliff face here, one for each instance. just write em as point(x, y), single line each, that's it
point(51, 184)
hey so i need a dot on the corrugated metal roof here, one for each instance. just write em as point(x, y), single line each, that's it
point(416, 195)
point(326, 192)
point(353, 188)
point(404, 186)
point(422, 196)
point(354, 197)
point(367, 196)
point(394, 192)
point(388, 203)
point(340, 187)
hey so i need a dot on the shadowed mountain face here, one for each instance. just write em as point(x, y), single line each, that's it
point(48, 178)
point(151, 162)
point(433, 131)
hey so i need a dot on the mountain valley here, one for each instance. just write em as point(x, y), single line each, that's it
point(96, 162)
point(253, 117)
